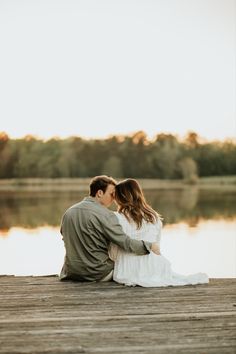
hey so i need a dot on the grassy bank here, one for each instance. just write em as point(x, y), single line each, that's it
point(81, 184)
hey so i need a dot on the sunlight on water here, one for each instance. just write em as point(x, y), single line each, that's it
point(209, 247)
point(31, 252)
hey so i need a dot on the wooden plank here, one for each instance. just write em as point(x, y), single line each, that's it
point(44, 315)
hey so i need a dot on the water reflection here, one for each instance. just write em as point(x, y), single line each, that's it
point(193, 205)
point(32, 210)
point(31, 252)
point(199, 232)
point(210, 247)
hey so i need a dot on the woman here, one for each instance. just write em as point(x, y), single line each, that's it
point(141, 222)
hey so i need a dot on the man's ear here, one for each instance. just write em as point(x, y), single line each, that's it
point(99, 193)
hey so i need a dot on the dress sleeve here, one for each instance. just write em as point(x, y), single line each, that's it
point(158, 231)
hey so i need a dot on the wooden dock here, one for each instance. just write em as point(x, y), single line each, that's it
point(44, 315)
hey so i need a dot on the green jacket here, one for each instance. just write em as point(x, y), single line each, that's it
point(87, 229)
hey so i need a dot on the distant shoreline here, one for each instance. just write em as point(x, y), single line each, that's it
point(81, 184)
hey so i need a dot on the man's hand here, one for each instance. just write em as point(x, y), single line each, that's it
point(155, 248)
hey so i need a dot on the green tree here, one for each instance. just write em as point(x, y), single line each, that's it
point(166, 151)
point(188, 169)
point(112, 167)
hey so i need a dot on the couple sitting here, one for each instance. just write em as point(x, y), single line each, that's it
point(102, 245)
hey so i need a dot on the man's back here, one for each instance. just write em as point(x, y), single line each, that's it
point(86, 247)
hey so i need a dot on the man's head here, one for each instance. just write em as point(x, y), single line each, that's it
point(103, 189)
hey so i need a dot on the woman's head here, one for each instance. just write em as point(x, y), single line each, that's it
point(131, 202)
point(128, 192)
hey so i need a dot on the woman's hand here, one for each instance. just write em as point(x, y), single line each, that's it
point(155, 248)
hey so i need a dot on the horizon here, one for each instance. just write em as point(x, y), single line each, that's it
point(149, 137)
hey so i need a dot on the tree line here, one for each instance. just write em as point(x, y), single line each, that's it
point(164, 157)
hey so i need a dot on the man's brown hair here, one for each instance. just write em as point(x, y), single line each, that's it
point(100, 182)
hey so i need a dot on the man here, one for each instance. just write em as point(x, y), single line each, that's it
point(88, 228)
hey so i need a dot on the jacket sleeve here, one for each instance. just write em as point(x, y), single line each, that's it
point(114, 233)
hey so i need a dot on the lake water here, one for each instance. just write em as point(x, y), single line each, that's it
point(199, 232)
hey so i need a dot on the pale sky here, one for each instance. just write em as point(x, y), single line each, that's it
point(94, 68)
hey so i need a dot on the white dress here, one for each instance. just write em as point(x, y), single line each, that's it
point(149, 270)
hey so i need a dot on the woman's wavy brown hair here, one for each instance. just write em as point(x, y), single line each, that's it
point(131, 202)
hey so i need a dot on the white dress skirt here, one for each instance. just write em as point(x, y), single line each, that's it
point(149, 270)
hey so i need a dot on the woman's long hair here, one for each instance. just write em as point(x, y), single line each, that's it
point(131, 202)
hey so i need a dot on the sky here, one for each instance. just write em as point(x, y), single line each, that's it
point(95, 68)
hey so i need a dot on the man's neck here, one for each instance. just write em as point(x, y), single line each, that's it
point(98, 201)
